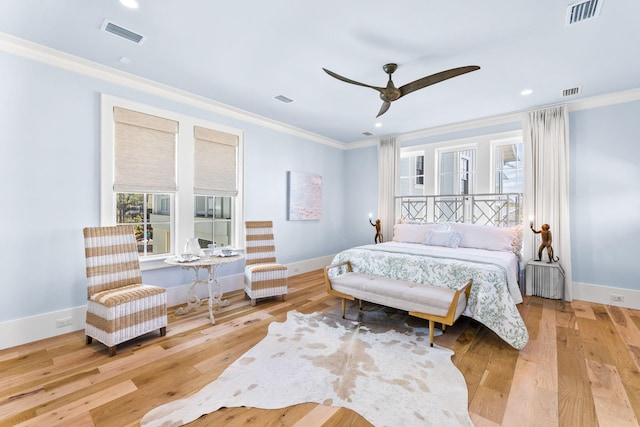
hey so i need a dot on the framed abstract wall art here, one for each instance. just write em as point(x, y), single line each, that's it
point(304, 196)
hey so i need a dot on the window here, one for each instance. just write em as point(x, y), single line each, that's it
point(457, 171)
point(484, 164)
point(151, 216)
point(213, 220)
point(412, 174)
point(172, 176)
point(508, 167)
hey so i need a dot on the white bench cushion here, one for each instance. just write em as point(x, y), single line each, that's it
point(398, 294)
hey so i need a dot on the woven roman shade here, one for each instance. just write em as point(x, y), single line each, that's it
point(215, 162)
point(145, 152)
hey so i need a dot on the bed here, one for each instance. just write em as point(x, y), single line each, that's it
point(448, 255)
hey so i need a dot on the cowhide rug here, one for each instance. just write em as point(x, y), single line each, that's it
point(392, 377)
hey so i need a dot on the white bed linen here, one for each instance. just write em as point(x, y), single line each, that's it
point(507, 260)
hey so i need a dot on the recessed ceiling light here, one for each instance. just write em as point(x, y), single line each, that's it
point(131, 4)
point(526, 92)
point(378, 125)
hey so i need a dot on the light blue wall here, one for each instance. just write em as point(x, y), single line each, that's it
point(50, 174)
point(361, 180)
point(605, 195)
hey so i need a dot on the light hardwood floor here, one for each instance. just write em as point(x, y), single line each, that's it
point(580, 368)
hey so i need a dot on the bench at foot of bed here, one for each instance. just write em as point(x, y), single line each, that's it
point(435, 304)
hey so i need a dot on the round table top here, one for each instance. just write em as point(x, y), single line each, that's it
point(205, 261)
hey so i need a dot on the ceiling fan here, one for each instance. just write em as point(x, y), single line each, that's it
point(391, 93)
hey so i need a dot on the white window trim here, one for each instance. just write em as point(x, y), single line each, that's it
point(183, 202)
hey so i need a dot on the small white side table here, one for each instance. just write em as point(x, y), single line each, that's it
point(215, 287)
point(545, 280)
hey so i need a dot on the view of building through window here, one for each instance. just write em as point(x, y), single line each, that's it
point(213, 220)
point(508, 169)
point(457, 172)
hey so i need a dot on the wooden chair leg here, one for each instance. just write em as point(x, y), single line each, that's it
point(89, 340)
point(112, 350)
point(284, 297)
point(163, 331)
point(253, 302)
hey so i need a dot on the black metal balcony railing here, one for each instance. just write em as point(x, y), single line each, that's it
point(504, 209)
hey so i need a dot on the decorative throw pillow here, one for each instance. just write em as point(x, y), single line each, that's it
point(414, 233)
point(449, 239)
point(485, 236)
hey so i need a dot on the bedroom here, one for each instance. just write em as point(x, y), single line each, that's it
point(51, 176)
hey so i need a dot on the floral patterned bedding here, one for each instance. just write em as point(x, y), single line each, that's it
point(494, 293)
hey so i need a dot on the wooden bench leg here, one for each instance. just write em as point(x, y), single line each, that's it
point(344, 306)
point(432, 326)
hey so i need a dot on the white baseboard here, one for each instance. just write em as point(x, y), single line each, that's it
point(35, 328)
point(603, 295)
point(308, 265)
point(29, 329)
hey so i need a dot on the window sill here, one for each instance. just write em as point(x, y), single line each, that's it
point(154, 263)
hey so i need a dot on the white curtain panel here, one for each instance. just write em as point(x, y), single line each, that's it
point(546, 191)
point(388, 154)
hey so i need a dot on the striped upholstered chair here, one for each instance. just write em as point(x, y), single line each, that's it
point(120, 307)
point(263, 276)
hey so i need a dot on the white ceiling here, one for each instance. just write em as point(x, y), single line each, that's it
point(244, 53)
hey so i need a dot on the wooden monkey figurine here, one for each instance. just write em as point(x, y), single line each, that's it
point(545, 233)
point(378, 238)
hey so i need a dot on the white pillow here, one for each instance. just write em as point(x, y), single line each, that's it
point(414, 233)
point(447, 238)
point(485, 236)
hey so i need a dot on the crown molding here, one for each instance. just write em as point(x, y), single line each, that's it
point(39, 53)
point(36, 52)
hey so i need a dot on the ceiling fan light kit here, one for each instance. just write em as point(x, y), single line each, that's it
point(391, 93)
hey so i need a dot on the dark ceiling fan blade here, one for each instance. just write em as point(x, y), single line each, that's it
point(435, 78)
point(384, 108)
point(353, 82)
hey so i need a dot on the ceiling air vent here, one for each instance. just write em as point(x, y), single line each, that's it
point(583, 10)
point(119, 31)
point(571, 91)
point(283, 99)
